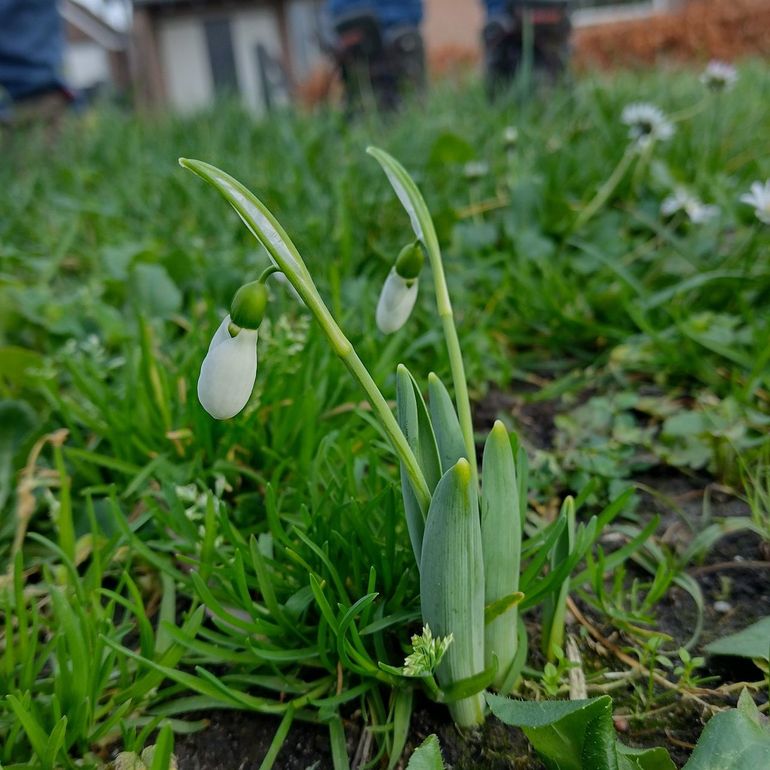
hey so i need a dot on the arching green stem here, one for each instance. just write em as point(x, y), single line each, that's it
point(422, 224)
point(266, 228)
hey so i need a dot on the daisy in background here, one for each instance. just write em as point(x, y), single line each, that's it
point(475, 169)
point(759, 198)
point(646, 124)
point(719, 76)
point(683, 200)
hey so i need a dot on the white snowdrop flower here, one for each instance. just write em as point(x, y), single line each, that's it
point(399, 292)
point(646, 123)
point(228, 371)
point(475, 169)
point(396, 302)
point(682, 200)
point(759, 198)
point(719, 76)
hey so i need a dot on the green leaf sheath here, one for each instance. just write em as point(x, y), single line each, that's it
point(501, 545)
point(452, 584)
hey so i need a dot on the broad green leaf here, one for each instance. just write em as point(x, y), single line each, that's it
point(427, 756)
point(449, 148)
point(733, 740)
point(452, 583)
point(576, 735)
point(446, 425)
point(153, 290)
point(501, 546)
point(18, 365)
point(752, 642)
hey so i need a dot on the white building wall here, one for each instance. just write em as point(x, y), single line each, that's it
point(185, 62)
point(251, 28)
point(305, 22)
point(85, 65)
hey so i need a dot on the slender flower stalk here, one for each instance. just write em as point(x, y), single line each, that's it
point(284, 254)
point(605, 191)
point(422, 225)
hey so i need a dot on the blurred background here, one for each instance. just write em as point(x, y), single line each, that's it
point(182, 54)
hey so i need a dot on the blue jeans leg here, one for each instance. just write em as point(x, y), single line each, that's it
point(495, 7)
point(31, 47)
point(390, 13)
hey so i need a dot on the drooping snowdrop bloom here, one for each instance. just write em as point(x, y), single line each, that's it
point(646, 123)
point(759, 198)
point(719, 76)
point(399, 292)
point(229, 369)
point(682, 200)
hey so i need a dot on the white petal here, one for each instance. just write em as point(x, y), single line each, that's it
point(396, 302)
point(221, 334)
point(227, 374)
point(701, 212)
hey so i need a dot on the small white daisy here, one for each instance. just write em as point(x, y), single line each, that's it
point(475, 169)
point(759, 198)
point(682, 200)
point(510, 137)
point(719, 76)
point(646, 123)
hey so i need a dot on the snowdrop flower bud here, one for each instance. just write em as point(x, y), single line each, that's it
point(229, 369)
point(399, 292)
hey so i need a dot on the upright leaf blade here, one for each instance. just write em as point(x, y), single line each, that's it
point(501, 546)
point(452, 584)
point(413, 419)
point(446, 425)
point(555, 603)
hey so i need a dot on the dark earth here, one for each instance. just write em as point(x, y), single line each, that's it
point(735, 571)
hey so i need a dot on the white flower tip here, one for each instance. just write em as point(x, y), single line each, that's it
point(396, 302)
point(228, 372)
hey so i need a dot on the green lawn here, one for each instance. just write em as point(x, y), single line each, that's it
point(136, 532)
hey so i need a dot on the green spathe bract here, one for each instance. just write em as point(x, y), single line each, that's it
point(249, 304)
point(452, 584)
point(410, 261)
